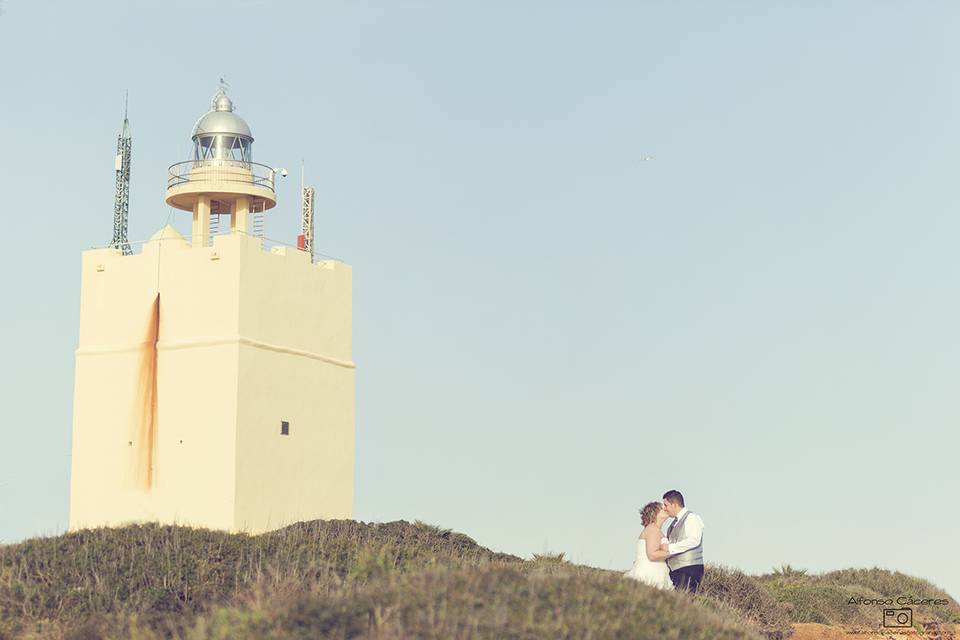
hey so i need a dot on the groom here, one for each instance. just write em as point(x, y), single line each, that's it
point(685, 545)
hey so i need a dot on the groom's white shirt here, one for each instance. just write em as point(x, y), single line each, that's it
point(694, 530)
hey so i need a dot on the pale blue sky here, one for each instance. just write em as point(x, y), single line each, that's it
point(549, 331)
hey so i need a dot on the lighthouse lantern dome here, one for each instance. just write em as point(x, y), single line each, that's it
point(222, 135)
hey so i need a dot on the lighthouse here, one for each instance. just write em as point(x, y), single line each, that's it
point(214, 380)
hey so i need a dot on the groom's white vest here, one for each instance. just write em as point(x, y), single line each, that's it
point(687, 558)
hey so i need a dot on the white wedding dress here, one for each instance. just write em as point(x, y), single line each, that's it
point(656, 574)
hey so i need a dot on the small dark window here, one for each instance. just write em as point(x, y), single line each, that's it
point(284, 428)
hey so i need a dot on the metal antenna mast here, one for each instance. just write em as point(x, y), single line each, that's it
point(121, 202)
point(306, 215)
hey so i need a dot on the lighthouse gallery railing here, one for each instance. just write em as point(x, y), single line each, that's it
point(260, 175)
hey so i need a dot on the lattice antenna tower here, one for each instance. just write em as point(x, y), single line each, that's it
point(121, 202)
point(306, 215)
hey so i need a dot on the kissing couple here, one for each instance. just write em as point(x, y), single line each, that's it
point(674, 561)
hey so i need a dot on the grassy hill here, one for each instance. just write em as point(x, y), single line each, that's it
point(348, 579)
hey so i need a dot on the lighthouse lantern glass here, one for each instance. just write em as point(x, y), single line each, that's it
point(222, 147)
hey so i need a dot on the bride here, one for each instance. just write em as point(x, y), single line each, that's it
point(649, 567)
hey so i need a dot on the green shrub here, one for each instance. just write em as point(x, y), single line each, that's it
point(825, 598)
point(343, 578)
point(493, 601)
point(152, 570)
point(747, 596)
point(811, 601)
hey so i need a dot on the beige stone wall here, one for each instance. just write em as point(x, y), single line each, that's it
point(177, 409)
point(295, 319)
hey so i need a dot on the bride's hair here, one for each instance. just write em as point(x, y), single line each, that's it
point(649, 512)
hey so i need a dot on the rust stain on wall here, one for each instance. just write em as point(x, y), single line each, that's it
point(145, 423)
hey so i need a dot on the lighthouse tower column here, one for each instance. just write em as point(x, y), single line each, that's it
point(201, 220)
point(240, 217)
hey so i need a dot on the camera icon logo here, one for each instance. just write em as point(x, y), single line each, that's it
point(898, 618)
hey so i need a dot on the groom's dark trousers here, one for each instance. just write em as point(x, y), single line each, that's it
point(687, 578)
